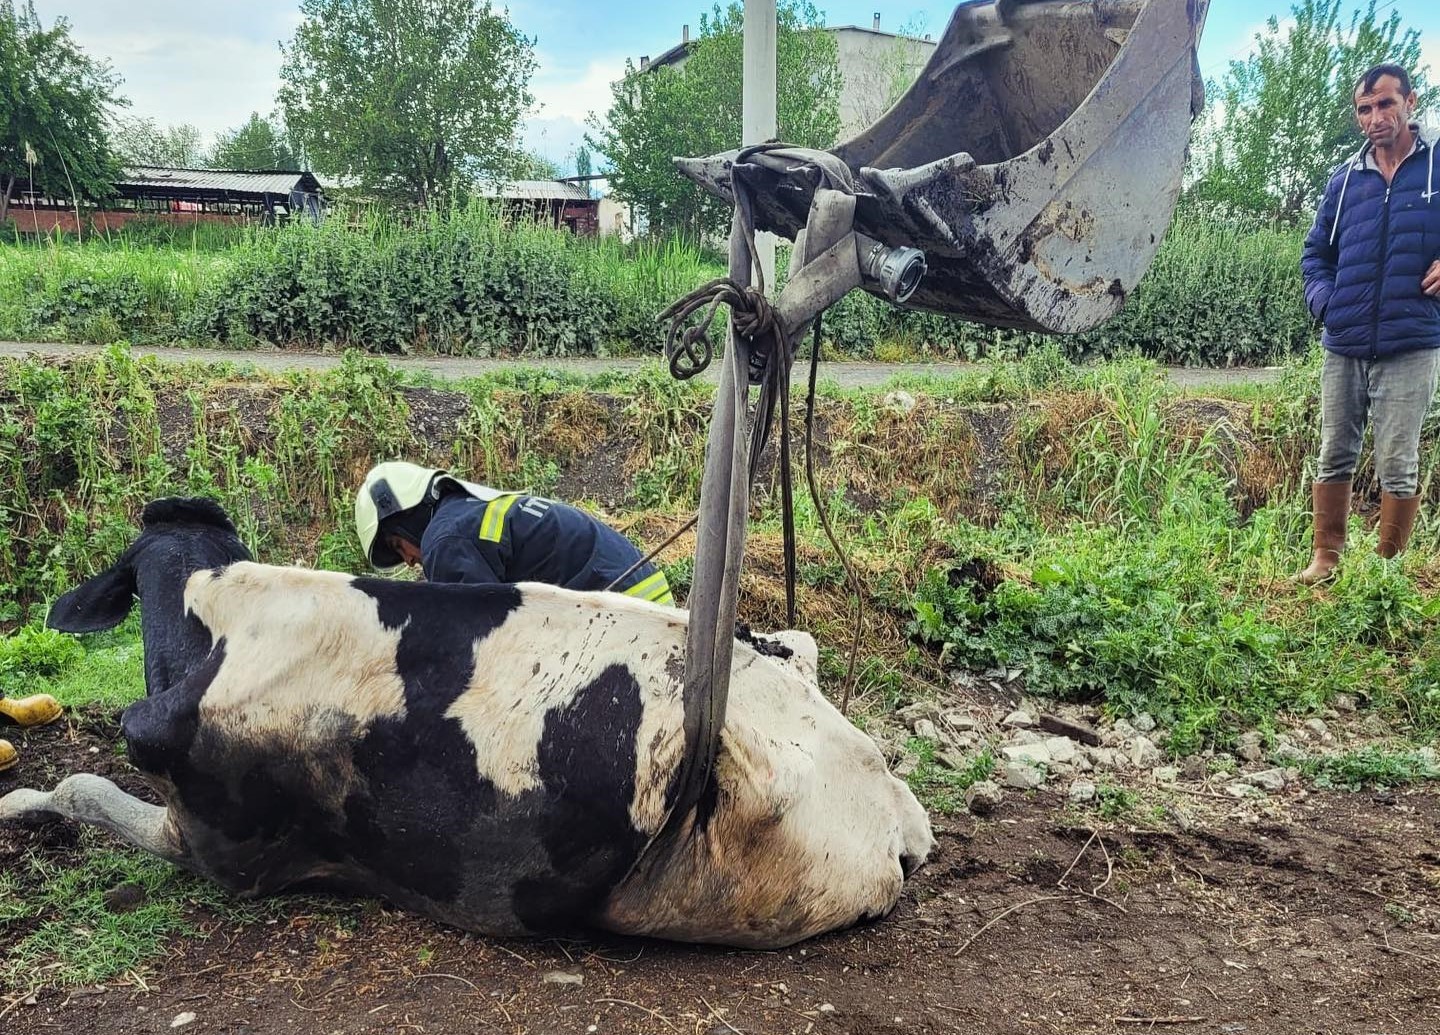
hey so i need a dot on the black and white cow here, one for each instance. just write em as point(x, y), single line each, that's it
point(500, 758)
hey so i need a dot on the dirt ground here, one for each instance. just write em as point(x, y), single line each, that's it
point(1319, 913)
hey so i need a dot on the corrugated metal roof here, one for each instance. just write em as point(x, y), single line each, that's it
point(250, 182)
point(534, 190)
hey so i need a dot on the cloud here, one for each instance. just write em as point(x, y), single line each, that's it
point(210, 65)
point(566, 93)
point(212, 82)
point(555, 139)
point(569, 91)
point(101, 20)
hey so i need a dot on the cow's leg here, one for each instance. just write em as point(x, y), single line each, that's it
point(97, 801)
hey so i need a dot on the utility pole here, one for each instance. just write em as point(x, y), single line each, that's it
point(757, 122)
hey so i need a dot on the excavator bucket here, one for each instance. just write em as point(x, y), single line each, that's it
point(1036, 161)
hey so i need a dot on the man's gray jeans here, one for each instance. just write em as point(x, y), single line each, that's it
point(1394, 393)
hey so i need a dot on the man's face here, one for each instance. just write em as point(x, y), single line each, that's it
point(408, 551)
point(1384, 112)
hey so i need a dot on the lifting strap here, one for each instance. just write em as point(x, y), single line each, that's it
point(760, 346)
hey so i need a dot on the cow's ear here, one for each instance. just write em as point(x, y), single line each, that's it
point(101, 603)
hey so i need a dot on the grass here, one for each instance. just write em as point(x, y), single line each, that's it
point(466, 282)
point(108, 671)
point(67, 933)
point(1374, 767)
point(1132, 550)
point(457, 282)
point(1114, 802)
point(940, 787)
point(59, 929)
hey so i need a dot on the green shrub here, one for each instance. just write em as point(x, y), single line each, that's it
point(466, 282)
point(1216, 295)
point(34, 652)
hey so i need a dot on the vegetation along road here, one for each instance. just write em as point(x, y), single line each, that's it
point(454, 368)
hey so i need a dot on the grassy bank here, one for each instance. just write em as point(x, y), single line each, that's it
point(1113, 541)
point(1108, 540)
point(465, 283)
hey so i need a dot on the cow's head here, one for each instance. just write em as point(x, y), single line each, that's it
point(177, 538)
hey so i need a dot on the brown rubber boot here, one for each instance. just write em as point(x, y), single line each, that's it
point(8, 755)
point(35, 710)
point(1397, 521)
point(1332, 507)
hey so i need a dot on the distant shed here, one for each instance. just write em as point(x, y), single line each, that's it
point(267, 194)
point(561, 205)
point(179, 195)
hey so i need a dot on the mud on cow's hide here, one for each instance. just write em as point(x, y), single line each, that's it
point(502, 758)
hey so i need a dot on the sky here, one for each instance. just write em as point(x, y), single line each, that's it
point(212, 64)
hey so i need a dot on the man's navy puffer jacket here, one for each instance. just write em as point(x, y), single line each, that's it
point(1363, 281)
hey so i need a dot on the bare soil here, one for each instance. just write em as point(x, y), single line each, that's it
point(1311, 913)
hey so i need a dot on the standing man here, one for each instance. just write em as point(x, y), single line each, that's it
point(1372, 277)
point(462, 532)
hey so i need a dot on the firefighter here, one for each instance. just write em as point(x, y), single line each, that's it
point(458, 531)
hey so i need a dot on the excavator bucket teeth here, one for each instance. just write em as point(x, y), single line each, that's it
point(1036, 160)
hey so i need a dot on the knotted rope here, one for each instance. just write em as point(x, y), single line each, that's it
point(688, 346)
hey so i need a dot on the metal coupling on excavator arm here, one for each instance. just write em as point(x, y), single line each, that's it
point(896, 271)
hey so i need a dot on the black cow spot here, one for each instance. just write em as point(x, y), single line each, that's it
point(587, 760)
point(440, 612)
point(255, 813)
point(420, 790)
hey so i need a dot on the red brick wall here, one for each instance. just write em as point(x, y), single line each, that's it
point(42, 220)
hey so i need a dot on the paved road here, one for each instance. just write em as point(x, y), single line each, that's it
point(452, 368)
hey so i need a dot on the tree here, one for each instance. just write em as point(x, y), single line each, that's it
point(584, 166)
point(257, 144)
point(660, 113)
point(53, 103)
point(532, 166)
point(1284, 119)
point(412, 96)
point(140, 141)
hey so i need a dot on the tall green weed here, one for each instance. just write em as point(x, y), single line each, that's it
point(466, 282)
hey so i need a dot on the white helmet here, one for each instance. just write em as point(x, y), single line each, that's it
point(389, 489)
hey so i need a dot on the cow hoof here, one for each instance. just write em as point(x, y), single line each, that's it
point(25, 805)
point(35, 710)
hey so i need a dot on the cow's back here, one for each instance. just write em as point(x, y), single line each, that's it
point(497, 757)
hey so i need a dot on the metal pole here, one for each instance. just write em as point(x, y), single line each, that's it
point(757, 123)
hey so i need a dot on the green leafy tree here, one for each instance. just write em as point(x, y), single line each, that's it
point(54, 100)
point(413, 97)
point(584, 166)
point(1283, 118)
point(660, 113)
point(257, 144)
point(140, 141)
point(532, 166)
